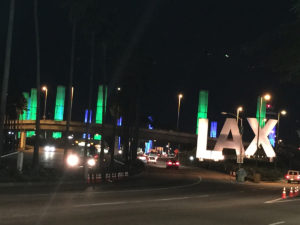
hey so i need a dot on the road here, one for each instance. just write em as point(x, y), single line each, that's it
point(47, 159)
point(158, 196)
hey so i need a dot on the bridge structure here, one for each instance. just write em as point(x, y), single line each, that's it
point(24, 126)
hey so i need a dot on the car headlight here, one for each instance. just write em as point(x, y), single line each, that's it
point(91, 162)
point(49, 148)
point(72, 160)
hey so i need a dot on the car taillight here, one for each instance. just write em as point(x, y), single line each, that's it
point(287, 176)
point(298, 177)
point(177, 163)
point(169, 163)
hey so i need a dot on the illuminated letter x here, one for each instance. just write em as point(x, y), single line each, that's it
point(262, 139)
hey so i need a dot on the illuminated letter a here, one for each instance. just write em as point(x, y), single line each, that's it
point(236, 142)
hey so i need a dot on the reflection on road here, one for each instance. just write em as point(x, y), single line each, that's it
point(47, 159)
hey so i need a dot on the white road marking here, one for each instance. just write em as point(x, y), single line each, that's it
point(101, 204)
point(171, 199)
point(280, 200)
point(280, 222)
point(274, 200)
point(140, 201)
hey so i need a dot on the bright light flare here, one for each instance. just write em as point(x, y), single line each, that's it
point(73, 160)
point(70, 137)
point(267, 97)
point(283, 112)
point(49, 148)
point(240, 109)
point(91, 162)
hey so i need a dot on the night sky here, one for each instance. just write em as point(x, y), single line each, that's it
point(175, 46)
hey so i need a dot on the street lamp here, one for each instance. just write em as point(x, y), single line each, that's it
point(234, 115)
point(180, 96)
point(282, 112)
point(238, 110)
point(266, 97)
point(45, 89)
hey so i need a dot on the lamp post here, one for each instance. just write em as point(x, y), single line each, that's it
point(238, 110)
point(180, 96)
point(267, 97)
point(45, 89)
point(235, 115)
point(282, 112)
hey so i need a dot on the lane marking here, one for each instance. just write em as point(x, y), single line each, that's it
point(101, 204)
point(280, 200)
point(280, 222)
point(274, 200)
point(170, 199)
point(140, 201)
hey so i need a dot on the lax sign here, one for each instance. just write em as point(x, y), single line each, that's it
point(261, 135)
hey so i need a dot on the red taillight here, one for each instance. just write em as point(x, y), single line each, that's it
point(298, 177)
point(96, 156)
point(287, 176)
point(169, 163)
point(177, 163)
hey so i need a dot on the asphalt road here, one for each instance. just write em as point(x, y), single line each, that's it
point(47, 159)
point(159, 196)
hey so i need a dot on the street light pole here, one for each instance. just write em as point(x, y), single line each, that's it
point(240, 109)
point(259, 114)
point(178, 110)
point(45, 89)
point(282, 112)
point(266, 97)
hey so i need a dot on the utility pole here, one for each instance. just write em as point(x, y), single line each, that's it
point(6, 72)
point(70, 88)
point(104, 97)
point(37, 121)
point(89, 101)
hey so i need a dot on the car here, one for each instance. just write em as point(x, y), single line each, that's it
point(152, 158)
point(143, 158)
point(49, 148)
point(293, 176)
point(172, 163)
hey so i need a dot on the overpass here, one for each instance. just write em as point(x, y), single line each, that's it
point(80, 127)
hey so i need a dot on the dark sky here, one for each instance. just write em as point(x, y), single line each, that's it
point(184, 45)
